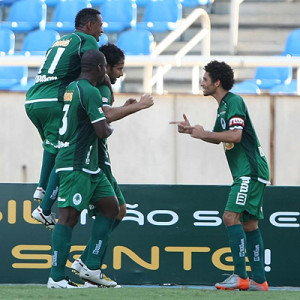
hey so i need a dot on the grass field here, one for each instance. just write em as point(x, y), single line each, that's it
point(19, 292)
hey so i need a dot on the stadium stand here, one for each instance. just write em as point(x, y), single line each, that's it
point(119, 15)
point(285, 89)
point(246, 87)
point(103, 39)
point(13, 76)
point(7, 41)
point(195, 3)
point(38, 42)
point(26, 15)
point(292, 45)
point(52, 3)
point(161, 15)
point(136, 42)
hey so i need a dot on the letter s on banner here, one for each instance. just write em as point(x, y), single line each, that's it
point(201, 215)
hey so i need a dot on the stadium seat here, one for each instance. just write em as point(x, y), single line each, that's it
point(119, 15)
point(161, 15)
point(26, 15)
point(12, 76)
point(136, 42)
point(52, 3)
point(245, 87)
point(195, 3)
point(285, 89)
point(292, 45)
point(64, 15)
point(7, 41)
point(103, 39)
point(267, 77)
point(97, 2)
point(142, 3)
point(39, 41)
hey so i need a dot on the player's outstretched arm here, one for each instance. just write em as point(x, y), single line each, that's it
point(130, 106)
point(183, 126)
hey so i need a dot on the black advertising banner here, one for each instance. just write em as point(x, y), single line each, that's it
point(172, 234)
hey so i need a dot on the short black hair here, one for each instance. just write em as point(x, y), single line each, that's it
point(113, 54)
point(221, 71)
point(91, 58)
point(86, 15)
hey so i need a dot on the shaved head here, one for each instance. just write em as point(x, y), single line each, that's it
point(92, 58)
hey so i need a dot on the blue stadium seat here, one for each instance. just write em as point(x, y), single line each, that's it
point(7, 41)
point(12, 76)
point(26, 15)
point(64, 15)
point(292, 44)
point(136, 42)
point(161, 15)
point(142, 3)
point(52, 3)
point(7, 2)
point(39, 41)
point(267, 77)
point(195, 3)
point(97, 2)
point(245, 87)
point(285, 89)
point(119, 15)
point(103, 39)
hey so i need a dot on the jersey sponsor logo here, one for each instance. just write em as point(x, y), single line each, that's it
point(100, 110)
point(242, 195)
point(261, 152)
point(63, 43)
point(44, 78)
point(61, 199)
point(228, 146)
point(236, 122)
point(68, 95)
point(63, 144)
point(77, 198)
point(104, 100)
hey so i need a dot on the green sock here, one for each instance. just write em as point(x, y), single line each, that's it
point(101, 230)
point(83, 256)
point(51, 193)
point(61, 244)
point(47, 166)
point(255, 252)
point(237, 241)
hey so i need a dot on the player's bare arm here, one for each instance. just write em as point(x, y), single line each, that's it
point(131, 106)
point(103, 129)
point(228, 136)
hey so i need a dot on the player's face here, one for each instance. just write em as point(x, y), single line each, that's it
point(209, 87)
point(96, 29)
point(116, 71)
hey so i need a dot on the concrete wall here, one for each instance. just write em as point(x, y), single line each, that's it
point(145, 149)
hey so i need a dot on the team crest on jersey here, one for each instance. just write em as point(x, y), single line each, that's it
point(77, 198)
point(223, 123)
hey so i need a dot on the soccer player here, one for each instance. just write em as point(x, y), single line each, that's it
point(44, 101)
point(250, 171)
point(81, 180)
point(115, 63)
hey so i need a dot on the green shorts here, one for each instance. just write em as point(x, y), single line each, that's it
point(107, 171)
point(46, 117)
point(246, 197)
point(79, 189)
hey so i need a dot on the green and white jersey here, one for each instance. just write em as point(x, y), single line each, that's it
point(247, 157)
point(78, 142)
point(103, 155)
point(61, 66)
